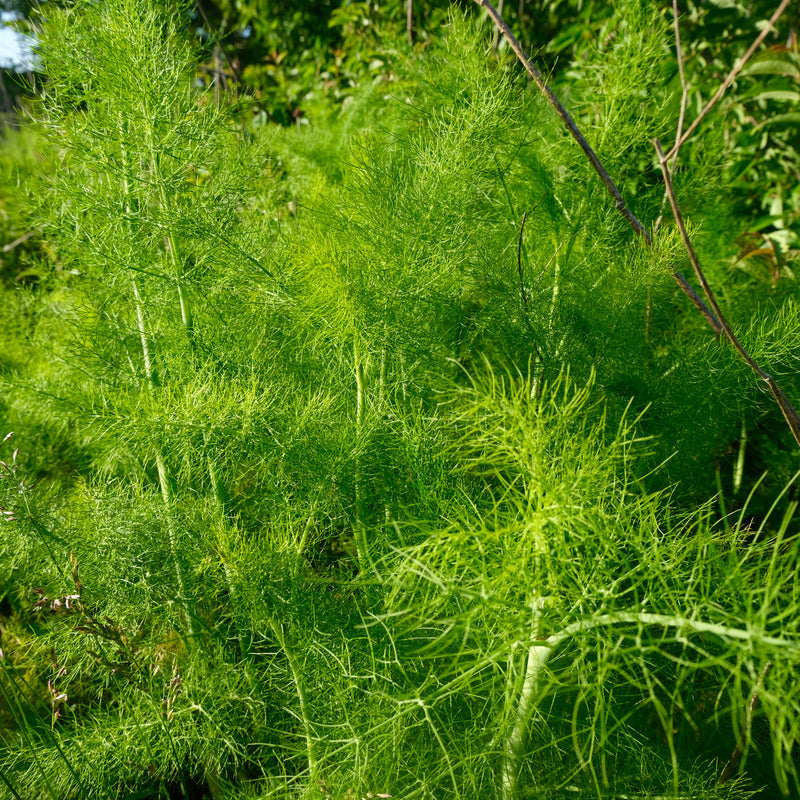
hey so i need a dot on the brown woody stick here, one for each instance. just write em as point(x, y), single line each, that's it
point(619, 203)
point(731, 77)
point(684, 98)
point(790, 414)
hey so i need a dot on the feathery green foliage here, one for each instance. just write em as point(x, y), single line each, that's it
point(334, 479)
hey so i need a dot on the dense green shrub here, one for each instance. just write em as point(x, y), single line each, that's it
point(349, 481)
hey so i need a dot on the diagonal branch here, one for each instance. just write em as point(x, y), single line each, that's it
point(790, 414)
point(619, 203)
point(731, 77)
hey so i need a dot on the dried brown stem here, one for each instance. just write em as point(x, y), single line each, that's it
point(619, 203)
point(788, 410)
point(731, 77)
point(684, 98)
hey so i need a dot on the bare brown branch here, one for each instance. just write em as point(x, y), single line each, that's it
point(619, 203)
point(684, 97)
point(790, 414)
point(731, 77)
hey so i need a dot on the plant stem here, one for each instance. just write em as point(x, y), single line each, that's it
point(151, 384)
point(166, 495)
point(223, 545)
point(682, 114)
point(297, 679)
point(790, 414)
point(170, 243)
point(670, 621)
point(738, 470)
point(731, 77)
point(360, 530)
point(150, 375)
point(619, 203)
point(523, 292)
point(538, 652)
point(736, 756)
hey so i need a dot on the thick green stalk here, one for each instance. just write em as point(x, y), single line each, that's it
point(360, 532)
point(535, 658)
point(540, 649)
point(297, 678)
point(515, 743)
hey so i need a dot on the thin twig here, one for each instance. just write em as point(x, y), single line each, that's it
point(684, 98)
point(789, 412)
point(523, 292)
point(731, 76)
point(619, 203)
point(736, 756)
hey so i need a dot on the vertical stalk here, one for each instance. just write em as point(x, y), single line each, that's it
point(738, 470)
point(223, 544)
point(150, 375)
point(170, 243)
point(297, 678)
point(186, 310)
point(553, 303)
point(166, 496)
point(151, 384)
point(360, 532)
point(514, 746)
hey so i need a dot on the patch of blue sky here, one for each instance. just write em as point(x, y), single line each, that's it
point(14, 46)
